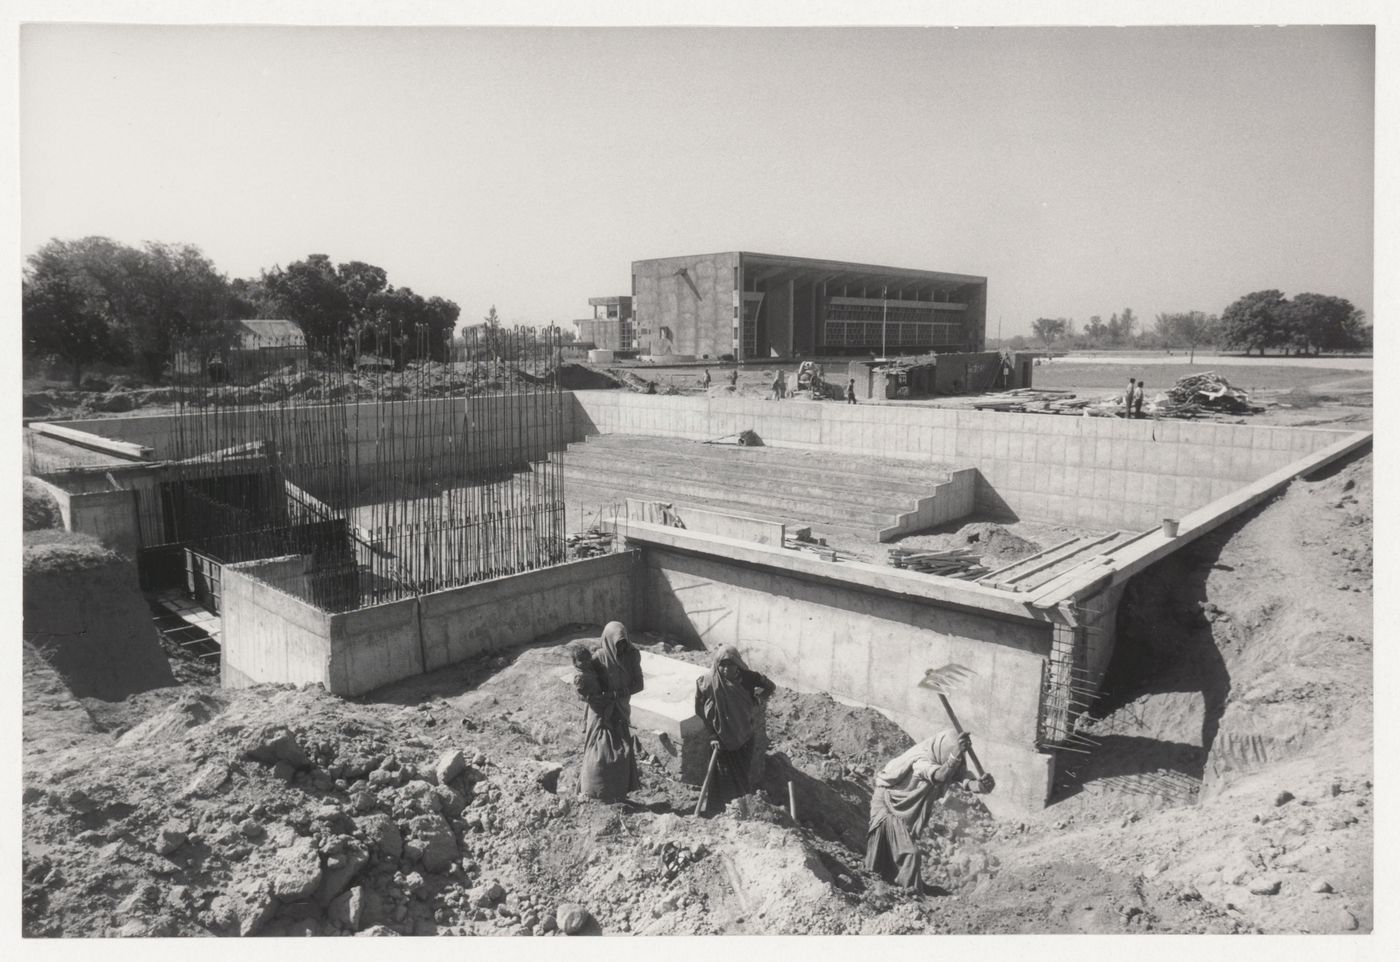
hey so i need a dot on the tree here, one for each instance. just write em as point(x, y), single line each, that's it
point(1256, 320)
point(1321, 322)
point(309, 292)
point(1096, 331)
point(1048, 329)
point(61, 316)
point(183, 297)
point(1189, 328)
point(1125, 324)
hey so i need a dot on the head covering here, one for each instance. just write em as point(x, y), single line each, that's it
point(733, 704)
point(622, 669)
point(937, 748)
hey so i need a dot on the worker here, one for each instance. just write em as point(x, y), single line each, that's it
point(902, 800)
point(728, 700)
point(779, 385)
point(733, 377)
point(1128, 398)
point(1137, 399)
point(609, 768)
point(706, 379)
point(851, 391)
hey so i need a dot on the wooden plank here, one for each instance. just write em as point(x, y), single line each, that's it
point(1051, 562)
point(94, 442)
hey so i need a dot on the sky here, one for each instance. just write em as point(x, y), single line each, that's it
point(1081, 170)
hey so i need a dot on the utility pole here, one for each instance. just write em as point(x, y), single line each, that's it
point(884, 319)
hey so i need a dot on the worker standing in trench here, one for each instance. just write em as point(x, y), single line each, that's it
point(606, 683)
point(904, 794)
point(729, 700)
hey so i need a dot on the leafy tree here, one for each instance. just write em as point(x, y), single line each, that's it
point(1321, 322)
point(1096, 330)
point(182, 296)
point(309, 292)
point(1188, 327)
point(1256, 320)
point(63, 316)
point(1048, 329)
point(1126, 322)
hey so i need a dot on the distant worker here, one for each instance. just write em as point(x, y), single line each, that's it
point(904, 793)
point(606, 683)
point(729, 700)
point(1128, 398)
point(733, 377)
point(1137, 400)
point(779, 385)
point(851, 391)
point(706, 379)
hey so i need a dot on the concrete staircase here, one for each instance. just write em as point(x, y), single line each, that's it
point(841, 497)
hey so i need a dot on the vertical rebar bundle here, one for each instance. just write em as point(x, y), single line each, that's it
point(392, 466)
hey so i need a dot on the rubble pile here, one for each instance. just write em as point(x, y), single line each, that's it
point(1196, 394)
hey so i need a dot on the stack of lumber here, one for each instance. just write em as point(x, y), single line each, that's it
point(1030, 400)
point(956, 563)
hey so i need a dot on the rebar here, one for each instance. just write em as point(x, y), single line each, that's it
point(392, 467)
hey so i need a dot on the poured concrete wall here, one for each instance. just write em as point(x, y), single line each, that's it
point(1095, 472)
point(505, 425)
point(271, 636)
point(467, 621)
point(818, 630)
point(109, 516)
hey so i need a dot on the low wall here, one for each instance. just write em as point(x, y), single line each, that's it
point(272, 636)
point(952, 499)
point(1095, 472)
point(267, 634)
point(822, 627)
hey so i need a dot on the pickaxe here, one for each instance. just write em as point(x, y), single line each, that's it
point(943, 680)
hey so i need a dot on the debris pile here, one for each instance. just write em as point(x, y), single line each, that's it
point(1198, 394)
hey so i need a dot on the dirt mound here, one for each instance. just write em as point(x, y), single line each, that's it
point(996, 545)
point(578, 377)
point(40, 509)
point(84, 613)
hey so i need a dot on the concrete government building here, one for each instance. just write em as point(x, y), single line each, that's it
point(757, 306)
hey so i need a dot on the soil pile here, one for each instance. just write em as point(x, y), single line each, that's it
point(85, 615)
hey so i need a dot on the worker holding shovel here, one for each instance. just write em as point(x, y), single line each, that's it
point(904, 794)
point(729, 700)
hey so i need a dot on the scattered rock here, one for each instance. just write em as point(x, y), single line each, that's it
point(1283, 798)
point(1265, 885)
point(273, 744)
point(295, 872)
point(438, 842)
point(170, 838)
point(449, 765)
point(348, 908)
point(383, 835)
point(250, 828)
point(1346, 921)
point(571, 917)
point(1321, 886)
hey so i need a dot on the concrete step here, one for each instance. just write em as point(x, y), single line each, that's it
point(591, 497)
point(759, 500)
point(874, 495)
point(846, 471)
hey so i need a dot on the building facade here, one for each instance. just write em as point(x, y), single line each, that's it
point(759, 306)
point(610, 328)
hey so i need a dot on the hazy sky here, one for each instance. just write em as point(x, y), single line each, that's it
point(1082, 170)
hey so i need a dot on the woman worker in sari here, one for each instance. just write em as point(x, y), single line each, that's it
point(728, 701)
point(606, 683)
point(903, 798)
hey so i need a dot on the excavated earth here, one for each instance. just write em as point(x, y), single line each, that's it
point(1231, 790)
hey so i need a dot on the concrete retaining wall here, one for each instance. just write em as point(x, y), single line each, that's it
point(271, 636)
point(862, 645)
point(952, 499)
point(1096, 472)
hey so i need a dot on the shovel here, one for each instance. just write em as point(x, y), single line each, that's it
point(709, 773)
point(951, 677)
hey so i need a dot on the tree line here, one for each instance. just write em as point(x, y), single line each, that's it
point(1263, 320)
point(97, 300)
